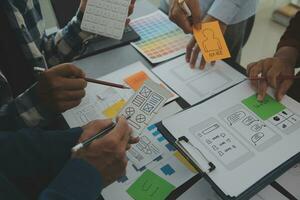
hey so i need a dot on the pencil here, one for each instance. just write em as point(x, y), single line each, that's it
point(106, 83)
point(39, 70)
point(97, 136)
point(286, 77)
point(185, 8)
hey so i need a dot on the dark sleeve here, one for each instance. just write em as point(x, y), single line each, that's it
point(30, 153)
point(78, 180)
point(291, 36)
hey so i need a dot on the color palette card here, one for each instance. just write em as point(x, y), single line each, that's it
point(161, 39)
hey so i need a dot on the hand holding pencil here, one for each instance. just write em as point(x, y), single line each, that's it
point(274, 72)
point(106, 154)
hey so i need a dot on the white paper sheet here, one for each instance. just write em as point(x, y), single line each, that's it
point(100, 98)
point(240, 161)
point(195, 85)
point(148, 148)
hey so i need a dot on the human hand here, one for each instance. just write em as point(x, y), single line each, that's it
point(193, 50)
point(83, 4)
point(271, 69)
point(107, 154)
point(61, 87)
point(179, 16)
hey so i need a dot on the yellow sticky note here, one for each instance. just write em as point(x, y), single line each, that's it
point(136, 80)
point(211, 41)
point(112, 111)
point(184, 161)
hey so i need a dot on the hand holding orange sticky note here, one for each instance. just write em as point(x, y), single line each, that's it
point(211, 42)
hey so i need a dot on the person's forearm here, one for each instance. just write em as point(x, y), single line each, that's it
point(24, 111)
point(78, 180)
point(67, 43)
point(288, 54)
point(34, 152)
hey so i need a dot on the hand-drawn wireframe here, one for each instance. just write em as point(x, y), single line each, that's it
point(250, 127)
point(144, 105)
point(211, 43)
point(286, 121)
point(221, 143)
point(144, 152)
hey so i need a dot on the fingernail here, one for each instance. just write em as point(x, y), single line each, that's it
point(260, 97)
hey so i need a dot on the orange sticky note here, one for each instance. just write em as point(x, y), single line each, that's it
point(136, 80)
point(211, 42)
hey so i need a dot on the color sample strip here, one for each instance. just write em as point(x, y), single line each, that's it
point(266, 109)
point(160, 38)
point(150, 186)
point(184, 161)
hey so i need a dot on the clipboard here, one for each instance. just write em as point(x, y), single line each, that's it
point(247, 194)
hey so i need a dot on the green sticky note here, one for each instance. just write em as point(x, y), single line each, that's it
point(150, 186)
point(266, 109)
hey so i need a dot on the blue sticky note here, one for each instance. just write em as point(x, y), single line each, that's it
point(167, 170)
point(155, 133)
point(150, 128)
point(160, 139)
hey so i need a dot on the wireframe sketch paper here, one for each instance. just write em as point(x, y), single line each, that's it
point(244, 144)
point(144, 105)
point(195, 85)
point(102, 102)
point(169, 166)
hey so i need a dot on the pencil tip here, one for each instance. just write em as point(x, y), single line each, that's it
point(125, 87)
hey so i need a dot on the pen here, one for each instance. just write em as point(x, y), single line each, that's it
point(97, 136)
point(39, 70)
point(185, 7)
point(284, 77)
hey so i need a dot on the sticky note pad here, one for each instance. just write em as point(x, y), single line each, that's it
point(150, 186)
point(136, 80)
point(266, 109)
point(211, 42)
point(112, 111)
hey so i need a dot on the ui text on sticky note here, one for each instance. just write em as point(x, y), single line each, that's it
point(211, 41)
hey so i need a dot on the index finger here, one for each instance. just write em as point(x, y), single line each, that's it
point(253, 72)
point(194, 6)
point(178, 16)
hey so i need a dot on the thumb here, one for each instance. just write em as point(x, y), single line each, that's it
point(93, 128)
point(122, 131)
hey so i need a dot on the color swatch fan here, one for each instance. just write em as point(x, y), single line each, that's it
point(161, 39)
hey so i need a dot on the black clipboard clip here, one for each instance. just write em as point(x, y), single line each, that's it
point(181, 147)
